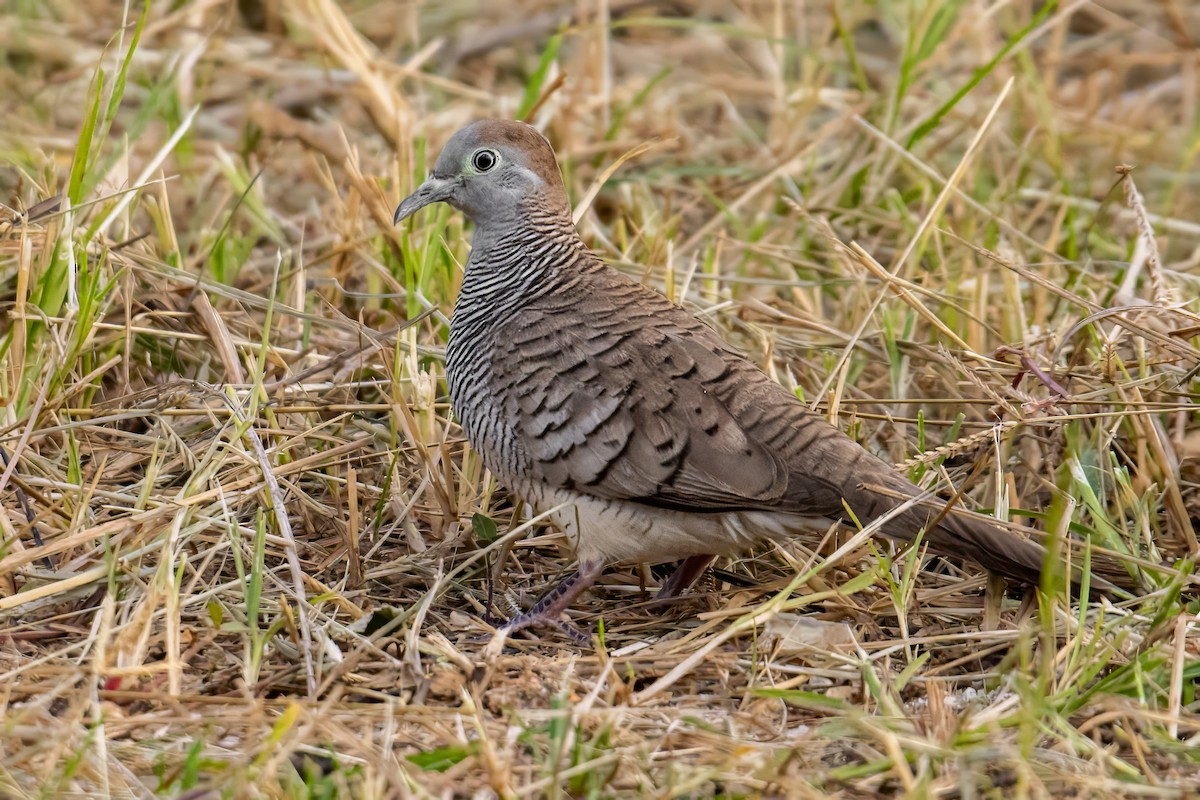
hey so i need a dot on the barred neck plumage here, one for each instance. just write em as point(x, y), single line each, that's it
point(516, 262)
point(510, 265)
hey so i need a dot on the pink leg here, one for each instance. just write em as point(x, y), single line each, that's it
point(684, 576)
point(557, 600)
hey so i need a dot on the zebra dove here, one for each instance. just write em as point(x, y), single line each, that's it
point(578, 385)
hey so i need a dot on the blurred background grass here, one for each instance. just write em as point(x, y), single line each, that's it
point(222, 383)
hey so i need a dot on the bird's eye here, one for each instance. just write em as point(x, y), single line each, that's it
point(483, 160)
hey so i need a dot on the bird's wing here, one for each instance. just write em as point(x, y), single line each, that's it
point(623, 395)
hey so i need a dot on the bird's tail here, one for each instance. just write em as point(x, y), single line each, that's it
point(955, 533)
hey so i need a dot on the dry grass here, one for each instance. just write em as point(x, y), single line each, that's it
point(245, 553)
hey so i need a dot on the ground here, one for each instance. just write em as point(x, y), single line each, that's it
point(246, 552)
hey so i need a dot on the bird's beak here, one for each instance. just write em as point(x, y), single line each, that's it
point(433, 190)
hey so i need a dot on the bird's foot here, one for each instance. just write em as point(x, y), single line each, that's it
point(552, 605)
point(524, 621)
point(682, 579)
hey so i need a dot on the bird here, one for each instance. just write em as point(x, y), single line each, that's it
point(584, 389)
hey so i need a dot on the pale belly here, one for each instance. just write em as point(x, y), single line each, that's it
point(612, 532)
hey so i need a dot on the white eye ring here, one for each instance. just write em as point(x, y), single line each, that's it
point(485, 159)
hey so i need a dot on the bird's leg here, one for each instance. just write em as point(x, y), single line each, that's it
point(684, 576)
point(558, 599)
point(489, 607)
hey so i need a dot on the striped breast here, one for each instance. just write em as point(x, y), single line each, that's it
point(505, 274)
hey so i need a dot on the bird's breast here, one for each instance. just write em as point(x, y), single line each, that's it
point(469, 365)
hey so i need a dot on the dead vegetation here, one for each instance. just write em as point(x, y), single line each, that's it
point(245, 552)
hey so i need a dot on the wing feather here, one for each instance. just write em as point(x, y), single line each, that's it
point(632, 411)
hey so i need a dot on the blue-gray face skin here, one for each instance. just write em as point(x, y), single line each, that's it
point(495, 172)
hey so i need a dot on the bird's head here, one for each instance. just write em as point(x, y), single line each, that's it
point(495, 171)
